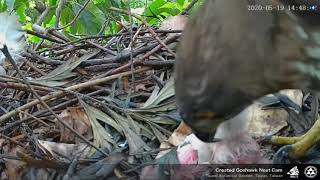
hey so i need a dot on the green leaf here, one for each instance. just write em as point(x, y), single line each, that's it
point(31, 38)
point(113, 27)
point(67, 15)
point(3, 6)
point(180, 2)
point(90, 20)
point(153, 21)
point(154, 7)
point(21, 7)
point(171, 8)
point(52, 2)
point(103, 6)
point(50, 18)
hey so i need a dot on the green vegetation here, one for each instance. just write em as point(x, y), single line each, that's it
point(95, 18)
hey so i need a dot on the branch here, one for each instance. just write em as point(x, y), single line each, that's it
point(58, 11)
point(76, 17)
point(9, 57)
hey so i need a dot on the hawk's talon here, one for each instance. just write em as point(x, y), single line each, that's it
point(299, 146)
point(281, 140)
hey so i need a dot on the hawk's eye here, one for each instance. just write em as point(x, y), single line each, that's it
point(204, 115)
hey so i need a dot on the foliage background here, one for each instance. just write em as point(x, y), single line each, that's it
point(96, 17)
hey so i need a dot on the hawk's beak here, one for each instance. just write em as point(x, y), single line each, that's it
point(204, 125)
point(206, 137)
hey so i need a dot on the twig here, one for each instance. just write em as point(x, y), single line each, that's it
point(19, 86)
point(58, 11)
point(8, 55)
point(105, 36)
point(57, 94)
point(43, 36)
point(43, 111)
point(12, 140)
point(132, 87)
point(39, 120)
point(34, 56)
point(166, 63)
point(120, 57)
point(101, 47)
point(140, 60)
point(43, 15)
point(76, 17)
point(148, 27)
point(187, 9)
point(33, 67)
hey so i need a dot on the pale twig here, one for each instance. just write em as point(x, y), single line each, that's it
point(9, 57)
point(57, 94)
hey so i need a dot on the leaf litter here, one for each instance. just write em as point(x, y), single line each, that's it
point(124, 106)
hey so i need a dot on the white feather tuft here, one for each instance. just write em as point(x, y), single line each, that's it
point(10, 35)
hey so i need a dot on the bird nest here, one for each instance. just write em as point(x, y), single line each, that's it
point(107, 101)
point(110, 105)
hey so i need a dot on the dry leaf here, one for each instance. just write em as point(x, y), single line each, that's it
point(177, 138)
point(78, 120)
point(141, 87)
point(136, 144)
point(66, 150)
point(158, 96)
point(101, 137)
point(270, 121)
point(14, 167)
point(64, 71)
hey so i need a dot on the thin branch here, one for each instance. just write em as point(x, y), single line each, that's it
point(76, 17)
point(148, 27)
point(187, 9)
point(57, 94)
point(9, 57)
point(140, 60)
point(44, 36)
point(58, 12)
